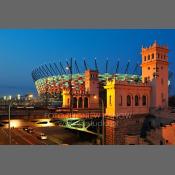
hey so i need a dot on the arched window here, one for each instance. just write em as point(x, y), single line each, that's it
point(85, 102)
point(158, 55)
point(80, 100)
point(136, 100)
point(144, 100)
point(128, 100)
point(148, 57)
point(74, 102)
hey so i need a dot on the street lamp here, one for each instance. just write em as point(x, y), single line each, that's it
point(69, 67)
point(103, 118)
point(9, 118)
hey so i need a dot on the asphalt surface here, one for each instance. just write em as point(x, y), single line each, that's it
point(55, 136)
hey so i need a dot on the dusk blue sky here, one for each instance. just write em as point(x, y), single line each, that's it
point(23, 50)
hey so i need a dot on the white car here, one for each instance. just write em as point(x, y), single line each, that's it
point(43, 136)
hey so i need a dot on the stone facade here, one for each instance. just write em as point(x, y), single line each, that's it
point(127, 98)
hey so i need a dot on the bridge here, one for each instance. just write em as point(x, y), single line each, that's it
point(88, 125)
point(89, 120)
point(82, 120)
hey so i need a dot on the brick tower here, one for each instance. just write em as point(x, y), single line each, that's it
point(155, 70)
point(92, 88)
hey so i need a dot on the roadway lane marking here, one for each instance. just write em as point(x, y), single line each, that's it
point(26, 140)
point(7, 135)
point(36, 140)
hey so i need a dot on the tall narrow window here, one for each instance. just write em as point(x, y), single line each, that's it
point(121, 100)
point(86, 102)
point(144, 100)
point(136, 100)
point(145, 79)
point(158, 55)
point(110, 100)
point(152, 56)
point(74, 102)
point(128, 100)
point(80, 102)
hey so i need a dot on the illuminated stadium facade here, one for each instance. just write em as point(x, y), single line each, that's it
point(52, 80)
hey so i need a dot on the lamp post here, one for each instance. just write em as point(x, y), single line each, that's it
point(103, 119)
point(9, 118)
point(69, 67)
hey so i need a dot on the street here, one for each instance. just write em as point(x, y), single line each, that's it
point(55, 136)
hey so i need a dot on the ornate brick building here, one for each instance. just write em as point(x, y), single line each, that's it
point(139, 97)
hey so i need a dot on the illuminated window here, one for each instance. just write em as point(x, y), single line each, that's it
point(144, 100)
point(128, 100)
point(136, 100)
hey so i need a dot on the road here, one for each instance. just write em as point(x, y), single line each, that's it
point(55, 136)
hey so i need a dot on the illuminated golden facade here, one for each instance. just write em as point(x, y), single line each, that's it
point(133, 97)
point(127, 98)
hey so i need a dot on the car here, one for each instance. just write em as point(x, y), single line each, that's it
point(25, 128)
point(43, 136)
point(30, 130)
